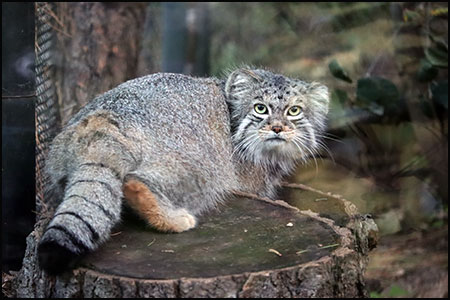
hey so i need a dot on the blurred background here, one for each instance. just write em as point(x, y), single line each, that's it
point(386, 65)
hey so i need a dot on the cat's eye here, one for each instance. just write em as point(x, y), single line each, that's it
point(294, 111)
point(261, 109)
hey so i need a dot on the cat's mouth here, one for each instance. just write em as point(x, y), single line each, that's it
point(276, 139)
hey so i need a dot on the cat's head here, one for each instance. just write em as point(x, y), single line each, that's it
point(275, 118)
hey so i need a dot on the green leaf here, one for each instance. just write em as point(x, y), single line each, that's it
point(426, 108)
point(338, 71)
point(376, 109)
point(412, 16)
point(437, 224)
point(439, 42)
point(437, 57)
point(440, 11)
point(440, 94)
point(340, 96)
point(397, 291)
point(426, 71)
point(373, 92)
point(375, 295)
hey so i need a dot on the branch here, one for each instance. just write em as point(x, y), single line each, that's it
point(311, 189)
point(350, 208)
point(265, 199)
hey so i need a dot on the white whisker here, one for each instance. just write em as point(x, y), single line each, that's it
point(323, 146)
point(330, 138)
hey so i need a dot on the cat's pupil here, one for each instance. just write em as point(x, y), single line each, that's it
point(295, 110)
point(260, 108)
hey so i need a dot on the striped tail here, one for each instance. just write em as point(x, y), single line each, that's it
point(90, 208)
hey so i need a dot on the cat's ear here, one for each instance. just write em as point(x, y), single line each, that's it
point(239, 82)
point(318, 97)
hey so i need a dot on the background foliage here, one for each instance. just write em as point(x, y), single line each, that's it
point(387, 68)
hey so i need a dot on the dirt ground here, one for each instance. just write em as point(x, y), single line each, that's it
point(414, 264)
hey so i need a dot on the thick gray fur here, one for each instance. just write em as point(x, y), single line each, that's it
point(192, 141)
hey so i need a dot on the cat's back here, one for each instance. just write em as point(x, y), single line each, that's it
point(172, 117)
point(166, 105)
point(161, 97)
point(177, 113)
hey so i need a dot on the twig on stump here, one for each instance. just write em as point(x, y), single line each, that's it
point(289, 185)
point(265, 199)
point(350, 208)
point(311, 189)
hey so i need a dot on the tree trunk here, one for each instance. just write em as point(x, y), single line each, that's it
point(249, 248)
point(186, 38)
point(97, 48)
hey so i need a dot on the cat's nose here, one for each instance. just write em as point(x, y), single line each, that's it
point(277, 128)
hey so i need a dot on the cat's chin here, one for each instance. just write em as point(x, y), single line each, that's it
point(278, 148)
point(278, 144)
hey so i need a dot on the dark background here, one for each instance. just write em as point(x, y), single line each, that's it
point(18, 135)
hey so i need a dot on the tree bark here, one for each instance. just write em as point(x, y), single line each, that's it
point(249, 248)
point(97, 48)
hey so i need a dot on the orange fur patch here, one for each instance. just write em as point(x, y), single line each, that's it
point(143, 201)
point(101, 124)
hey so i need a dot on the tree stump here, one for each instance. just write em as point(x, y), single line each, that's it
point(247, 248)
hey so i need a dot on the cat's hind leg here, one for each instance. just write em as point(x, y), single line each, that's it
point(155, 208)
